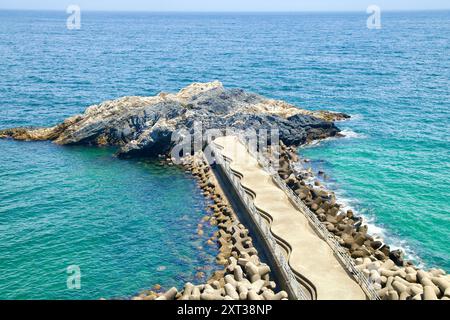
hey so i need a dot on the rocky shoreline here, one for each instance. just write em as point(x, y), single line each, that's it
point(244, 276)
point(145, 126)
point(392, 276)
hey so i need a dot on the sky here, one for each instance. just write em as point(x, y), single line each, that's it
point(226, 5)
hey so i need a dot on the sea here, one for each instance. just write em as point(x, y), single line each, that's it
point(126, 225)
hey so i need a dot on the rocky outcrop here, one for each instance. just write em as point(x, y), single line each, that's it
point(144, 125)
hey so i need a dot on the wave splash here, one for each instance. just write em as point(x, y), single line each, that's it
point(374, 229)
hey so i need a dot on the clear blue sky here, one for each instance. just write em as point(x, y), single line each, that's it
point(228, 5)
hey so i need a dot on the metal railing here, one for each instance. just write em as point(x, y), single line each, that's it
point(317, 225)
point(296, 289)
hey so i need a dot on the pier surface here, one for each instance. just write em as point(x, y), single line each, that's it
point(310, 256)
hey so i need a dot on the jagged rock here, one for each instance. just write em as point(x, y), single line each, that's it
point(376, 245)
point(397, 257)
point(350, 214)
point(144, 125)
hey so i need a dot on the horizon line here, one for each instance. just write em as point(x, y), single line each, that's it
point(231, 11)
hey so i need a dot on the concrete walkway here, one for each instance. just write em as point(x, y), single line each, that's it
point(311, 256)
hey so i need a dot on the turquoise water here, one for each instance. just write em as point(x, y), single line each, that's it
point(396, 171)
point(128, 225)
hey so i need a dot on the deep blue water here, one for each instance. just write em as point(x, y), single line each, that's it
point(394, 80)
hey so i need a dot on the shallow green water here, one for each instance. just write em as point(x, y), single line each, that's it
point(128, 225)
point(398, 182)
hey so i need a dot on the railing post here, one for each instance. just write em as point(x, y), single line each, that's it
point(292, 283)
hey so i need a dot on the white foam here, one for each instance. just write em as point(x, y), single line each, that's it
point(349, 204)
point(378, 232)
point(344, 134)
point(316, 143)
point(356, 117)
point(347, 133)
point(161, 268)
point(374, 229)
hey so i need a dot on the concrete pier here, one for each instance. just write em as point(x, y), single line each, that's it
point(308, 254)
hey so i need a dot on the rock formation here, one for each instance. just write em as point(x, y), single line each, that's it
point(143, 126)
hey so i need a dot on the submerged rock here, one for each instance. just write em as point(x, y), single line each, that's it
point(144, 125)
